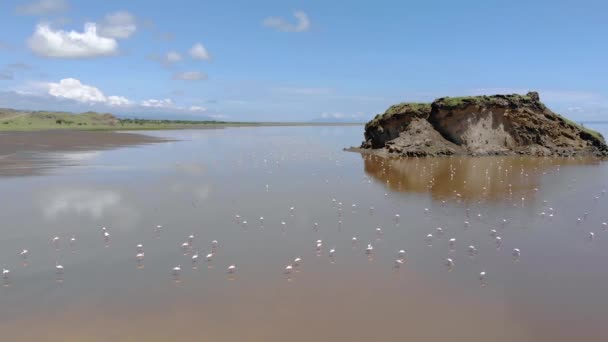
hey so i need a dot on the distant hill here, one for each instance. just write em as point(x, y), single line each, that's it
point(23, 120)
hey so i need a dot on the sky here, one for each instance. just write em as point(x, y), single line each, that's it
point(282, 60)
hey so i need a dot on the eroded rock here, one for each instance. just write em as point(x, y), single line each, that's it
point(480, 125)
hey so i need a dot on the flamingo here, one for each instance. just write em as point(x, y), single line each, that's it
point(516, 253)
point(482, 276)
point(288, 269)
point(498, 240)
point(24, 253)
point(56, 242)
point(297, 261)
point(232, 269)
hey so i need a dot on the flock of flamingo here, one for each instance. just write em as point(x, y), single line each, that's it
point(195, 255)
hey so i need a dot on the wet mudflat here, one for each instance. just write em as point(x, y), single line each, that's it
point(269, 195)
point(31, 153)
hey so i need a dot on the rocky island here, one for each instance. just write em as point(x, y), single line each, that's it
point(480, 125)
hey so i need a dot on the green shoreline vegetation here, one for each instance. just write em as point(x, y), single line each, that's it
point(21, 120)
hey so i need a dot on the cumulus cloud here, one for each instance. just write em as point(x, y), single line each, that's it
point(73, 89)
point(190, 76)
point(42, 7)
point(71, 44)
point(198, 51)
point(280, 24)
point(197, 109)
point(119, 25)
point(153, 103)
point(118, 101)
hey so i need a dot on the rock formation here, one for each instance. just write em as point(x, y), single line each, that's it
point(480, 125)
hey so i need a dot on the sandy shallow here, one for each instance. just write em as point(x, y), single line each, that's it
point(32, 153)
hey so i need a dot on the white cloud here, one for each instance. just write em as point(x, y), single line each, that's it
point(71, 44)
point(218, 116)
point(198, 51)
point(73, 89)
point(118, 101)
point(153, 103)
point(333, 115)
point(173, 57)
point(339, 116)
point(280, 24)
point(118, 25)
point(190, 76)
point(42, 7)
point(197, 109)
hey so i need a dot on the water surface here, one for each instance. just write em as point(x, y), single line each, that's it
point(197, 184)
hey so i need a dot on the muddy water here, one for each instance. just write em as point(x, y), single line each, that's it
point(197, 184)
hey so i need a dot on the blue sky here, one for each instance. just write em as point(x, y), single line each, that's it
point(298, 60)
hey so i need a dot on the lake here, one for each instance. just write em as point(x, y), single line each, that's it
point(217, 184)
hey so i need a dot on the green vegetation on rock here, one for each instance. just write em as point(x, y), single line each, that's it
point(415, 109)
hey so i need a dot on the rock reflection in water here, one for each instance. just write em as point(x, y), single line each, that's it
point(466, 178)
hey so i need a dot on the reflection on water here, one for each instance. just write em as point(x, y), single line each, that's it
point(145, 237)
point(464, 178)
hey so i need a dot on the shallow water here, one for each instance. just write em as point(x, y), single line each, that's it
point(555, 291)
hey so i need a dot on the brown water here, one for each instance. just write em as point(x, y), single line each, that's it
point(555, 291)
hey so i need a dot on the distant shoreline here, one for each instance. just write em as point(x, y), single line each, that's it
point(170, 126)
point(12, 120)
